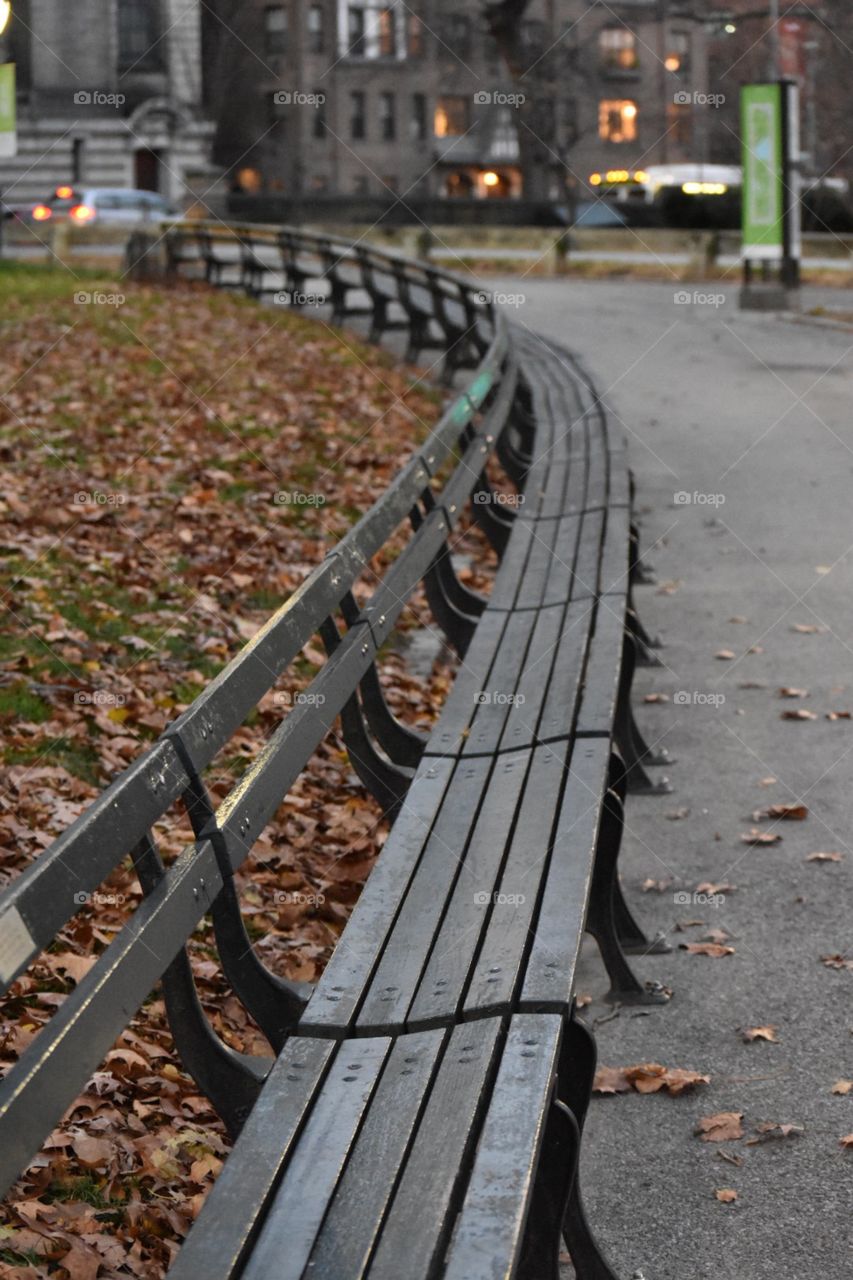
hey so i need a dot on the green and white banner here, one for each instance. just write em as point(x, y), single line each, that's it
point(8, 130)
point(764, 194)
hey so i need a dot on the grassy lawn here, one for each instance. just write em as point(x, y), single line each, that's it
point(172, 465)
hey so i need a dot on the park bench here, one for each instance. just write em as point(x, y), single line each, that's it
point(421, 1109)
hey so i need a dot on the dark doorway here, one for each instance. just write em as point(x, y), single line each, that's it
point(147, 170)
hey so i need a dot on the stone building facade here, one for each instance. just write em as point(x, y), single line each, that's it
point(368, 97)
point(109, 94)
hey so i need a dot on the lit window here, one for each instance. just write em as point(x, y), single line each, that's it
point(415, 35)
point(617, 120)
point(275, 30)
point(451, 117)
point(618, 48)
point(678, 53)
point(387, 34)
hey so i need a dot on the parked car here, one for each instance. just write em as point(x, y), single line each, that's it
point(88, 206)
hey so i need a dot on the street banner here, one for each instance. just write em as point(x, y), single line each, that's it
point(8, 130)
point(764, 196)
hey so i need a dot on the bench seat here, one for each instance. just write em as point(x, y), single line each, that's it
point(388, 1157)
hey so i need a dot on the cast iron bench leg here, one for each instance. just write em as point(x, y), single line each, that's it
point(639, 782)
point(601, 917)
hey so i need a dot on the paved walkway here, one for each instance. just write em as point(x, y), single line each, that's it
point(750, 416)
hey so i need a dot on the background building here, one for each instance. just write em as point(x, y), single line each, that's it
point(109, 94)
point(354, 98)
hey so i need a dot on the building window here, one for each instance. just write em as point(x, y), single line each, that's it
point(357, 45)
point(275, 30)
point(357, 116)
point(140, 47)
point(316, 33)
point(617, 120)
point(387, 30)
point(678, 57)
point(319, 129)
point(418, 128)
point(451, 117)
point(414, 36)
point(459, 34)
point(618, 49)
point(533, 38)
point(387, 117)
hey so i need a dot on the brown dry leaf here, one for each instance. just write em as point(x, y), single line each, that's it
point(724, 655)
point(658, 886)
point(842, 1087)
point(726, 1195)
point(611, 1080)
point(676, 815)
point(738, 618)
point(785, 812)
point(92, 1152)
point(807, 628)
point(725, 1126)
point(656, 697)
point(839, 715)
point(668, 588)
point(647, 1077)
point(799, 714)
point(752, 684)
point(767, 782)
point(712, 889)
point(846, 1141)
point(754, 836)
point(825, 857)
point(788, 692)
point(767, 1032)
point(715, 950)
point(836, 961)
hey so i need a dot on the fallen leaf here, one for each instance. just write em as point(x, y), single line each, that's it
point(92, 1152)
point(767, 782)
point(823, 569)
point(659, 886)
point(839, 715)
point(730, 1158)
point(836, 961)
point(784, 812)
point(656, 697)
point(726, 1195)
point(754, 836)
point(676, 815)
point(647, 1077)
point(714, 949)
point(668, 588)
point(846, 1141)
point(825, 857)
point(724, 655)
point(752, 684)
point(788, 692)
point(738, 618)
point(799, 714)
point(759, 1033)
point(842, 1087)
point(725, 1126)
point(709, 887)
point(807, 628)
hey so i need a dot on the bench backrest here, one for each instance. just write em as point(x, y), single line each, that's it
point(427, 497)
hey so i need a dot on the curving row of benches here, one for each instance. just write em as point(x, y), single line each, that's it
point(421, 1112)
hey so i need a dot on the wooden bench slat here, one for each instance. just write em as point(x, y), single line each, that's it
point(397, 975)
point(604, 665)
point(419, 1221)
point(489, 1233)
point(237, 1202)
point(302, 1198)
point(450, 952)
point(361, 1199)
point(338, 992)
point(550, 969)
point(498, 969)
point(567, 671)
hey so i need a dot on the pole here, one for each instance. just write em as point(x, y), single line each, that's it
point(775, 70)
